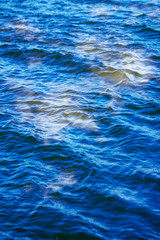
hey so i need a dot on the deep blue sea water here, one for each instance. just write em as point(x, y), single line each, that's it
point(80, 120)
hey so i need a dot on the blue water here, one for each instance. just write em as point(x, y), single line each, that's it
point(80, 120)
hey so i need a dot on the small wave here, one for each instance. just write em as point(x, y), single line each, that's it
point(148, 30)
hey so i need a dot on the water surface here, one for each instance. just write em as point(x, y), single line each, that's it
point(79, 119)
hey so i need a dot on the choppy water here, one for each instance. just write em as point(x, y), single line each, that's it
point(80, 119)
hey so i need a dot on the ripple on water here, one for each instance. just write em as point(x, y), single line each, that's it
point(79, 120)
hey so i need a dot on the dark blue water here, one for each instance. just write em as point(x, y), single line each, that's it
point(79, 120)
